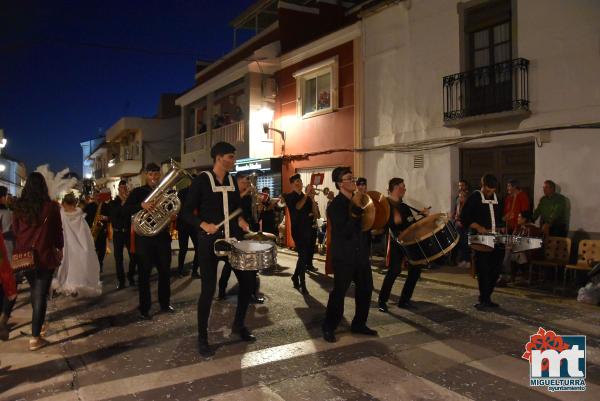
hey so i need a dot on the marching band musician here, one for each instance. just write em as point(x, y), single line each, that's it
point(246, 200)
point(350, 258)
point(100, 218)
point(301, 210)
point(482, 214)
point(121, 225)
point(151, 251)
point(401, 217)
point(267, 215)
point(215, 195)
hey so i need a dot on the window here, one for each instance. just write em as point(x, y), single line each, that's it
point(317, 88)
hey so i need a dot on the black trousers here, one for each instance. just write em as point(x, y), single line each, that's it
point(224, 279)
point(394, 270)
point(488, 266)
point(208, 271)
point(39, 281)
point(305, 251)
point(185, 234)
point(154, 251)
point(100, 245)
point(121, 240)
point(363, 281)
point(6, 305)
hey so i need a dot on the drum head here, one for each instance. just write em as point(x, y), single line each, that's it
point(250, 246)
point(423, 228)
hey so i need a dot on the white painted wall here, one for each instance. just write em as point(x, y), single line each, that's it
point(410, 47)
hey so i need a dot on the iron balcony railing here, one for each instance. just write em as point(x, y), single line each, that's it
point(490, 89)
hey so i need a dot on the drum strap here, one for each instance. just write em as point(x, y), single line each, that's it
point(490, 203)
point(224, 189)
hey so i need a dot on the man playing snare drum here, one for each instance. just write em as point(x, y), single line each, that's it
point(215, 195)
point(481, 214)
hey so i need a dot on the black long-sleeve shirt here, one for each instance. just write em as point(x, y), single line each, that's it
point(209, 204)
point(475, 211)
point(349, 244)
point(302, 219)
point(119, 218)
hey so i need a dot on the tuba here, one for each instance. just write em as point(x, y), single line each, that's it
point(149, 223)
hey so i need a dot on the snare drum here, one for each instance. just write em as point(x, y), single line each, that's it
point(247, 254)
point(522, 244)
point(482, 242)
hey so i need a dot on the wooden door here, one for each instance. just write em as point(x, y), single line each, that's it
point(505, 162)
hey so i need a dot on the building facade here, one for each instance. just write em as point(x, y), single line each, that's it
point(454, 89)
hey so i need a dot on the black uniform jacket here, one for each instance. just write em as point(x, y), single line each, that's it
point(209, 205)
point(119, 218)
point(302, 219)
point(474, 211)
point(349, 244)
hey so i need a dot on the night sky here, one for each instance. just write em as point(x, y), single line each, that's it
point(70, 69)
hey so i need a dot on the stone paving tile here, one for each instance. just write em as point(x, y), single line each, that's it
point(322, 386)
point(479, 385)
point(517, 371)
point(254, 393)
point(388, 382)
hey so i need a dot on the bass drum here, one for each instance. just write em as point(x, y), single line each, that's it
point(428, 239)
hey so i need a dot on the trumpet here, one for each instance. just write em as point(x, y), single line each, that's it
point(325, 190)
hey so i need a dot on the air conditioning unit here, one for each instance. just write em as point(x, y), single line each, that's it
point(269, 88)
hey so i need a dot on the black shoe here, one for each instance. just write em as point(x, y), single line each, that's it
point(145, 316)
point(491, 304)
point(312, 269)
point(181, 273)
point(222, 295)
point(257, 300)
point(121, 285)
point(195, 275)
point(296, 282)
point(245, 334)
point(204, 349)
point(406, 305)
point(4, 332)
point(363, 330)
point(167, 309)
point(383, 307)
point(329, 336)
point(132, 283)
point(481, 306)
point(303, 289)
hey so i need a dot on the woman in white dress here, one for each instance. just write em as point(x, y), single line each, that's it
point(79, 272)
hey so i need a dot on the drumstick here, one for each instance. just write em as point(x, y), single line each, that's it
point(231, 216)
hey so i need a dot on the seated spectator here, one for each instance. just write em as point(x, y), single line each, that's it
point(516, 201)
point(525, 228)
point(552, 211)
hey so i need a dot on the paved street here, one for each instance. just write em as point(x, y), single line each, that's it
point(443, 349)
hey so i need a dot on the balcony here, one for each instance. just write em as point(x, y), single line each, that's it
point(232, 133)
point(493, 91)
point(196, 143)
point(118, 167)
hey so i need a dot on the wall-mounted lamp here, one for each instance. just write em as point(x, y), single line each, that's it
point(266, 116)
